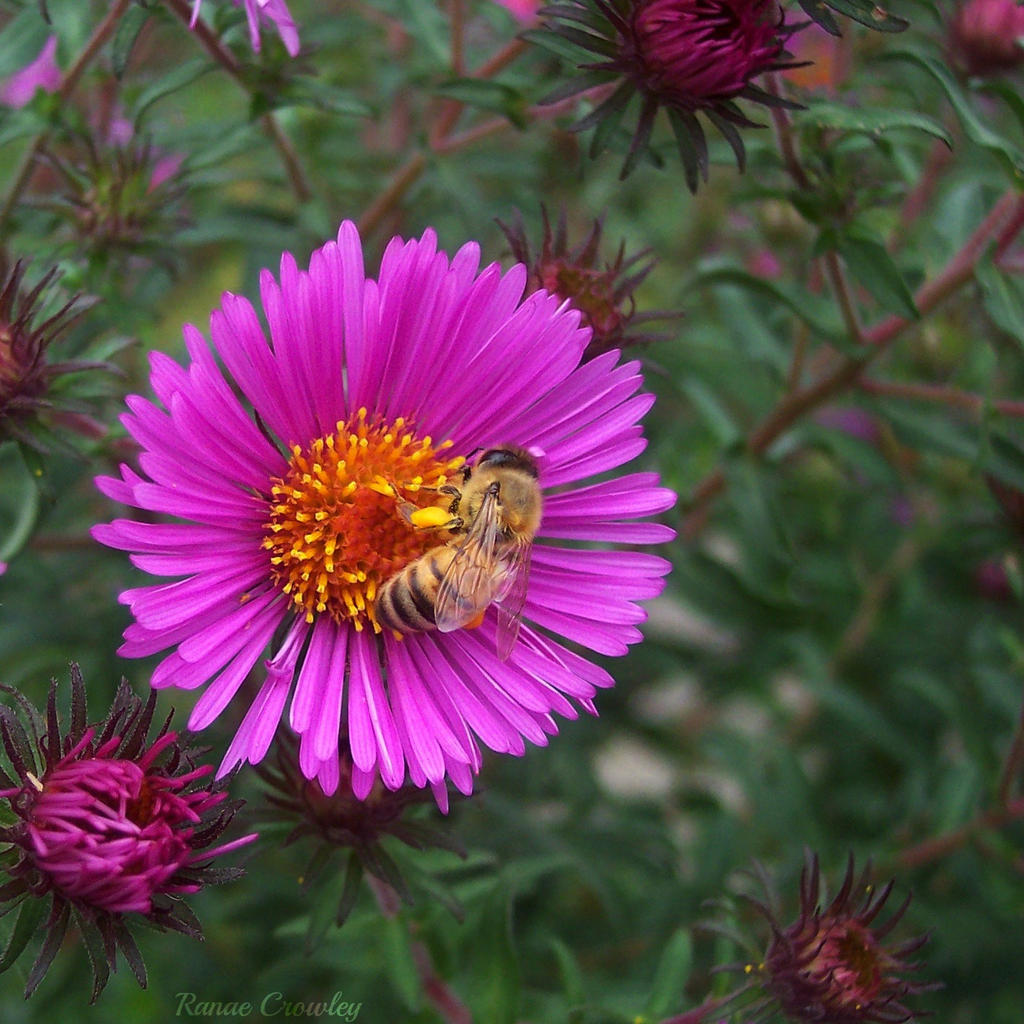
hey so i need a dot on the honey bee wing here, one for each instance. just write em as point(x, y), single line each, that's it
point(475, 575)
point(512, 596)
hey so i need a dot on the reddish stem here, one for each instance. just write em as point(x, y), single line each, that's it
point(939, 846)
point(1002, 223)
point(941, 393)
point(223, 56)
point(450, 1008)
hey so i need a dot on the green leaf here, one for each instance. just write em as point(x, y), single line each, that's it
point(977, 131)
point(305, 91)
point(871, 265)
point(487, 95)
point(1007, 93)
point(17, 124)
point(350, 889)
point(30, 915)
point(1005, 460)
point(931, 430)
point(872, 121)
point(817, 312)
point(557, 45)
point(22, 39)
point(326, 890)
point(498, 984)
point(671, 975)
point(19, 503)
point(400, 962)
point(869, 13)
point(128, 30)
point(1003, 297)
point(712, 411)
point(429, 26)
point(178, 78)
point(572, 980)
point(818, 12)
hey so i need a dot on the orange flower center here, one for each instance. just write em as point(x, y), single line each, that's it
point(334, 532)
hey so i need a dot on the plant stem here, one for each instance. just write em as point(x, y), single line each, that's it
point(442, 141)
point(458, 15)
point(1012, 765)
point(784, 137)
point(941, 393)
point(68, 82)
point(1004, 216)
point(449, 1007)
point(226, 59)
point(876, 591)
point(403, 180)
point(939, 846)
point(841, 289)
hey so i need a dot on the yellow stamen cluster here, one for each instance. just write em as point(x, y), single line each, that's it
point(334, 531)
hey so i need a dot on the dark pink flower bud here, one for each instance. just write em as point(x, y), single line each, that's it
point(603, 293)
point(988, 36)
point(693, 53)
point(683, 56)
point(106, 824)
point(832, 963)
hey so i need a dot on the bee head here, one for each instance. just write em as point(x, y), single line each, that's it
point(509, 458)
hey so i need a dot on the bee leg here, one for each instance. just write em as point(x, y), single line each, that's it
point(456, 496)
point(476, 621)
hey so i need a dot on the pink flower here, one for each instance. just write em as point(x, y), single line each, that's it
point(42, 73)
point(275, 11)
point(524, 10)
point(289, 521)
point(988, 36)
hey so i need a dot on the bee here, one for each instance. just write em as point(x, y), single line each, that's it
point(492, 519)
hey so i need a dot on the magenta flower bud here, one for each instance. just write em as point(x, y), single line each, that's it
point(107, 824)
point(26, 332)
point(43, 73)
point(683, 56)
point(988, 36)
point(602, 293)
point(693, 53)
point(112, 833)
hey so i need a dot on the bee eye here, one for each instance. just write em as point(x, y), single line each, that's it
point(497, 457)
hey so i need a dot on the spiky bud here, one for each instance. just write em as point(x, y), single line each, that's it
point(107, 825)
point(686, 56)
point(25, 375)
point(603, 292)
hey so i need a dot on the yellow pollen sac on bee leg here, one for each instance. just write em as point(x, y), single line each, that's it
point(430, 518)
